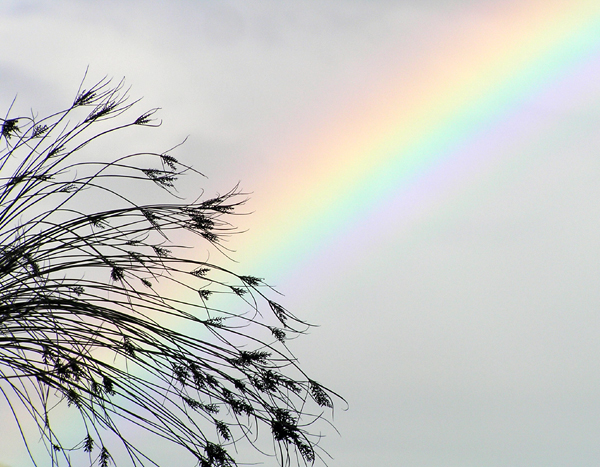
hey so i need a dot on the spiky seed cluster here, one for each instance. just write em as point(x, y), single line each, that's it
point(85, 321)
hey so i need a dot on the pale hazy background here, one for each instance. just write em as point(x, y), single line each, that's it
point(466, 337)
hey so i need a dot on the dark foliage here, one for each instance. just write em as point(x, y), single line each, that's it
point(101, 312)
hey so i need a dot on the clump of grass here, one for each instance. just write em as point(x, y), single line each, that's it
point(85, 321)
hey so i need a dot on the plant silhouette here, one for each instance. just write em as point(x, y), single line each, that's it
point(107, 320)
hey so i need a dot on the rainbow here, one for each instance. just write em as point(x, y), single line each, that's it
point(427, 132)
point(424, 134)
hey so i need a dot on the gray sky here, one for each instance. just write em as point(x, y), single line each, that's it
point(467, 338)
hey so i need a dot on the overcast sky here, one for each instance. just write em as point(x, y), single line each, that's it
point(464, 334)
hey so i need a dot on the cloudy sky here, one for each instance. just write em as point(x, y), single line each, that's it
point(426, 188)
